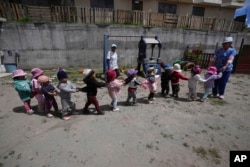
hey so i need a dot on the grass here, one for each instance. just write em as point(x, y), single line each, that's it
point(218, 102)
point(213, 153)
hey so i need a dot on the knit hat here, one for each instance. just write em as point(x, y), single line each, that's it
point(114, 45)
point(196, 69)
point(228, 40)
point(168, 67)
point(61, 74)
point(111, 75)
point(36, 72)
point(87, 72)
point(18, 73)
point(177, 68)
point(212, 70)
point(43, 79)
point(152, 71)
point(131, 72)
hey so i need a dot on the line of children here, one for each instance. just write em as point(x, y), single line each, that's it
point(41, 88)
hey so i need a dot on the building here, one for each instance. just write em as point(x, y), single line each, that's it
point(222, 9)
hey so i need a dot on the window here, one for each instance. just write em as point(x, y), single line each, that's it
point(102, 4)
point(137, 5)
point(167, 8)
point(198, 11)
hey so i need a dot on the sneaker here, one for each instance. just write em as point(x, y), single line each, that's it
point(167, 96)
point(189, 99)
point(30, 112)
point(66, 117)
point(86, 111)
point(49, 115)
point(221, 97)
point(150, 102)
point(116, 109)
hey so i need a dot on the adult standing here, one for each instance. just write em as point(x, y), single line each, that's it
point(223, 60)
point(112, 60)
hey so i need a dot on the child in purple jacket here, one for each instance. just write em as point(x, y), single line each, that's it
point(210, 76)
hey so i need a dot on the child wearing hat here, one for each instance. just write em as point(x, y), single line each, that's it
point(133, 83)
point(151, 84)
point(23, 87)
point(66, 88)
point(165, 80)
point(36, 89)
point(89, 78)
point(175, 80)
point(114, 88)
point(49, 92)
point(211, 75)
point(192, 82)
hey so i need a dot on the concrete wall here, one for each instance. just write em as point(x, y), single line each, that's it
point(79, 45)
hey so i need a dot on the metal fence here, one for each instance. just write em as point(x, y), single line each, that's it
point(73, 14)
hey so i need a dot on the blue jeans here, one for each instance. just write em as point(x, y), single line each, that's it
point(220, 84)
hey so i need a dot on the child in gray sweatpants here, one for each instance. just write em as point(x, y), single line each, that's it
point(66, 88)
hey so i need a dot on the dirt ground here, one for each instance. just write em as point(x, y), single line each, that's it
point(168, 133)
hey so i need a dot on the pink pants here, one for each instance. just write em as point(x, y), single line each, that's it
point(27, 105)
point(41, 102)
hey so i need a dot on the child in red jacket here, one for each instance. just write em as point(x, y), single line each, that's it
point(175, 81)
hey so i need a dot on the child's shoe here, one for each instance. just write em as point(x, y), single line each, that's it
point(221, 97)
point(49, 115)
point(116, 109)
point(101, 113)
point(30, 112)
point(150, 102)
point(66, 116)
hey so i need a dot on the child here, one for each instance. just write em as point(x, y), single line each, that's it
point(23, 87)
point(165, 78)
point(133, 84)
point(49, 92)
point(91, 90)
point(192, 82)
point(211, 75)
point(114, 87)
point(36, 89)
point(175, 80)
point(151, 83)
point(66, 88)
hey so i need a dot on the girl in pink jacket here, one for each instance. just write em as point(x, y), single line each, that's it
point(114, 87)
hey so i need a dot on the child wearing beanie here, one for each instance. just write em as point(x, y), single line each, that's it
point(114, 87)
point(89, 78)
point(23, 87)
point(150, 83)
point(133, 83)
point(66, 88)
point(175, 80)
point(49, 92)
point(211, 75)
point(192, 82)
point(36, 89)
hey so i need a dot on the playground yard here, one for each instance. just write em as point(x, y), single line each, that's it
point(169, 133)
